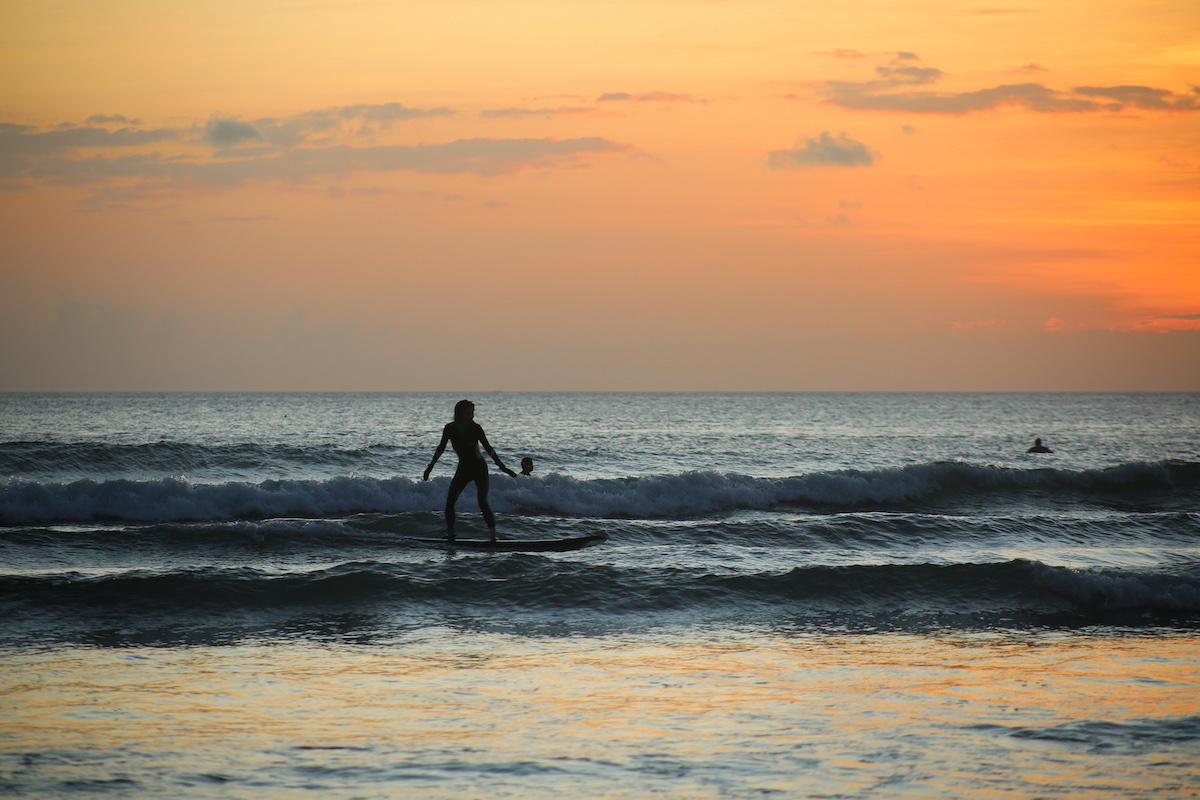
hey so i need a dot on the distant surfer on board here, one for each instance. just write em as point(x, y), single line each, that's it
point(467, 437)
point(1038, 447)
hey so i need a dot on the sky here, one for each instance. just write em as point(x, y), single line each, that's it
point(550, 195)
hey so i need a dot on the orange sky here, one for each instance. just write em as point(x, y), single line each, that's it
point(689, 194)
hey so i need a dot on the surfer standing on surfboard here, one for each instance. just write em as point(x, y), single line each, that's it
point(466, 435)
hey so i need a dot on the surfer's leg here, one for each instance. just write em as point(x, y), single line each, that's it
point(481, 490)
point(457, 484)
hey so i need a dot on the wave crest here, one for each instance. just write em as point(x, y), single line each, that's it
point(890, 593)
point(683, 495)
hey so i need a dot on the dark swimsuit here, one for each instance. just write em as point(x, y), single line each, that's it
point(469, 445)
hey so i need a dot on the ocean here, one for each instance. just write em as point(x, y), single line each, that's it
point(800, 596)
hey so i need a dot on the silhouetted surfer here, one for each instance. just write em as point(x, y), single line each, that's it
point(467, 437)
point(1038, 447)
point(526, 466)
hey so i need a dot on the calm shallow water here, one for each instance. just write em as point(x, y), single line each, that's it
point(448, 713)
point(800, 596)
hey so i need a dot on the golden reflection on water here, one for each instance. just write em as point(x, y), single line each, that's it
point(845, 712)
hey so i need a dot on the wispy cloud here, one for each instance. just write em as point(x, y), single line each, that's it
point(1032, 96)
point(130, 165)
point(27, 140)
point(825, 150)
point(478, 156)
point(1171, 322)
point(536, 112)
point(892, 90)
point(305, 128)
point(112, 119)
point(1143, 97)
point(647, 97)
point(18, 141)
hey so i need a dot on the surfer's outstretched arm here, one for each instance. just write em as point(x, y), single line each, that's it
point(488, 447)
point(441, 448)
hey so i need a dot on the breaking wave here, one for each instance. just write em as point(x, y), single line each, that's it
point(683, 495)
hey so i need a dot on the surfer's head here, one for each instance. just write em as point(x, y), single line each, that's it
point(526, 466)
point(464, 411)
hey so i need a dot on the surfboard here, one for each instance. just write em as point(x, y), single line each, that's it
point(518, 545)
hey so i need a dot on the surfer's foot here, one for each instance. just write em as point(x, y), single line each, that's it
point(493, 533)
point(449, 536)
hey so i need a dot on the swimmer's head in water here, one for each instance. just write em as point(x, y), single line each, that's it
point(464, 411)
point(526, 465)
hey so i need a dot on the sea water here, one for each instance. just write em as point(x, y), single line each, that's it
point(801, 595)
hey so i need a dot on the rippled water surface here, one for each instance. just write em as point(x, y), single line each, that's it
point(870, 595)
point(453, 713)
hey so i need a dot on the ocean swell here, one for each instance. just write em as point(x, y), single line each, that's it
point(532, 582)
point(684, 495)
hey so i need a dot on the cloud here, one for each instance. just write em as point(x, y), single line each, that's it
point(384, 113)
point(825, 150)
point(477, 156)
point(24, 147)
point(1143, 97)
point(115, 119)
point(27, 140)
point(647, 97)
point(906, 76)
point(1170, 322)
point(231, 132)
point(299, 148)
point(1032, 96)
point(891, 91)
point(301, 128)
point(535, 112)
